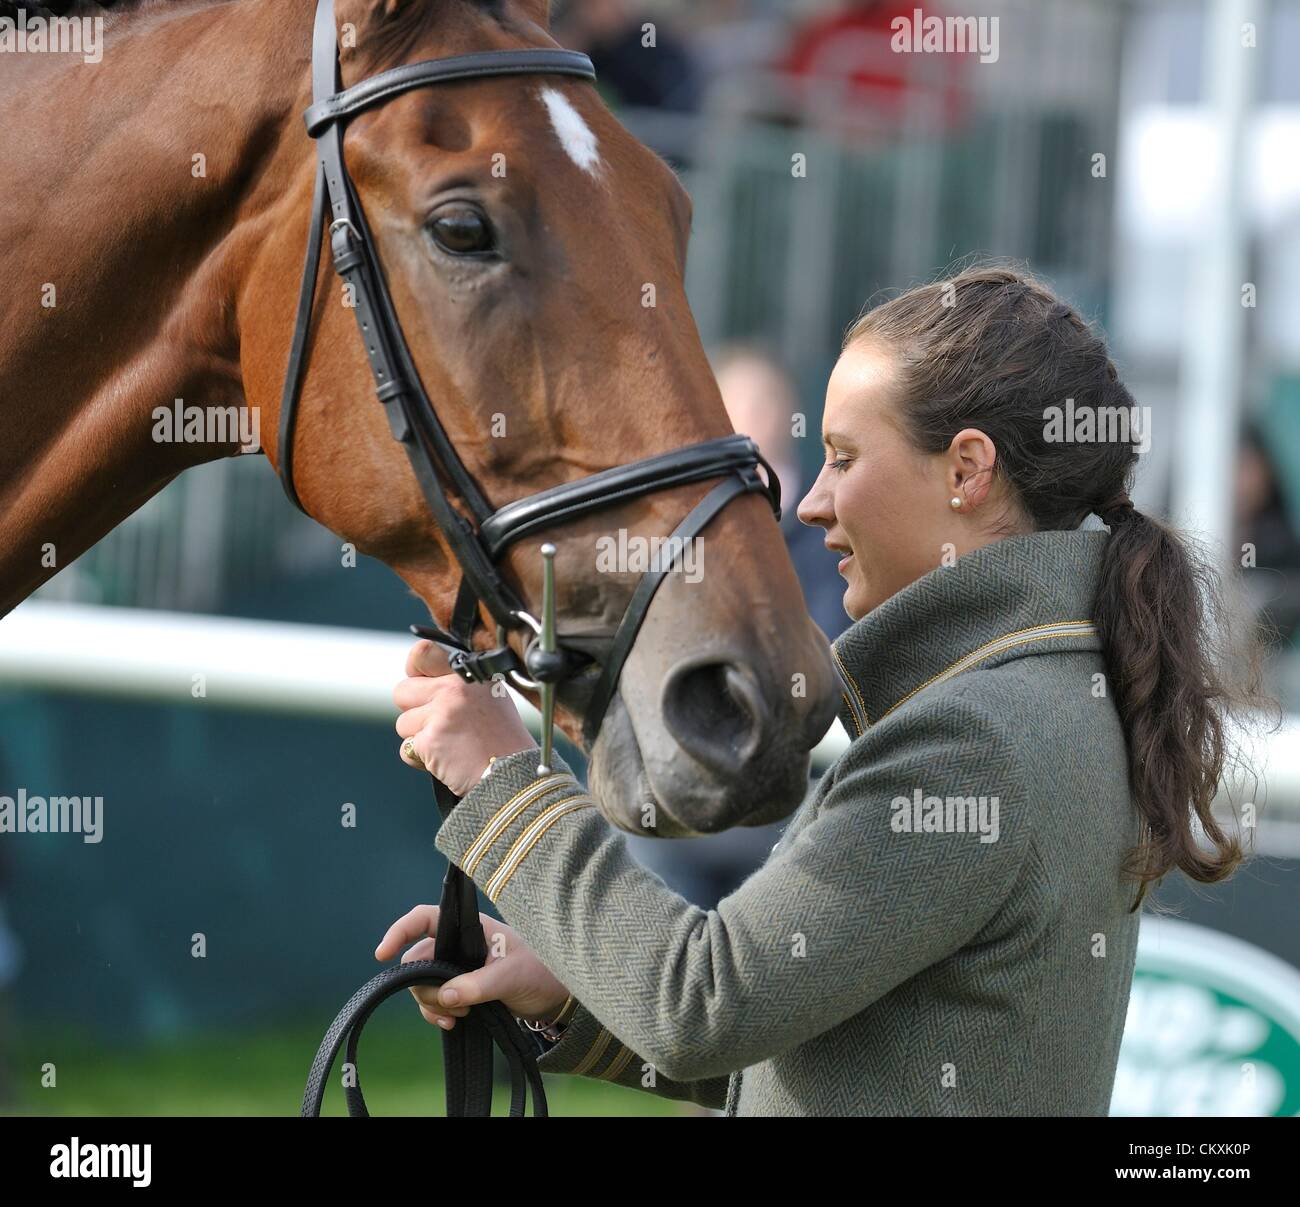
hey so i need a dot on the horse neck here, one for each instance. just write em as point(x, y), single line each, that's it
point(132, 189)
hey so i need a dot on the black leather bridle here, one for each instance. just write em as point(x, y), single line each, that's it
point(478, 536)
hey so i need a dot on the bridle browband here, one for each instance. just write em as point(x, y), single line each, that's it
point(477, 534)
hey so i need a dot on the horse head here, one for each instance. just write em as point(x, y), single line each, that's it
point(535, 252)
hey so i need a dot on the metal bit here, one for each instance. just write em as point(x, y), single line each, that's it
point(548, 646)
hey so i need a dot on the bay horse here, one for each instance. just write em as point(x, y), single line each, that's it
point(156, 206)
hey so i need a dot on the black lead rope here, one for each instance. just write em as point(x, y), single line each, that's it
point(467, 1047)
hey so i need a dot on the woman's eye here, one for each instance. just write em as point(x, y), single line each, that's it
point(840, 463)
point(462, 230)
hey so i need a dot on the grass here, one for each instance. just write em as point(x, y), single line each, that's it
point(263, 1074)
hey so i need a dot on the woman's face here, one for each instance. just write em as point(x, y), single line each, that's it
point(886, 507)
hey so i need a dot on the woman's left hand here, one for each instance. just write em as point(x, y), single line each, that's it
point(451, 728)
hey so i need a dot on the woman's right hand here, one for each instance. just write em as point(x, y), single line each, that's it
point(513, 975)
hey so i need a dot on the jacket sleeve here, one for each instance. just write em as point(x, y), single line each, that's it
point(854, 905)
point(588, 1049)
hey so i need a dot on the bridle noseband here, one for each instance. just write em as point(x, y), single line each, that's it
point(477, 533)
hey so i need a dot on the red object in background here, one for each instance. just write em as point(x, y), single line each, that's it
point(857, 44)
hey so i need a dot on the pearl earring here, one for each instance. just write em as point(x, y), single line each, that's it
point(956, 503)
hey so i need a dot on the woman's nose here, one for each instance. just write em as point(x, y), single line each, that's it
point(815, 508)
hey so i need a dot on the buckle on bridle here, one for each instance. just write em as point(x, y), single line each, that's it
point(543, 658)
point(344, 224)
point(546, 663)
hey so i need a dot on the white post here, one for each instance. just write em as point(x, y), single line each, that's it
point(1214, 352)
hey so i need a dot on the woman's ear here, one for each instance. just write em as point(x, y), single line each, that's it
point(971, 458)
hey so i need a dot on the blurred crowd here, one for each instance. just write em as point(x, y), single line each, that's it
point(697, 44)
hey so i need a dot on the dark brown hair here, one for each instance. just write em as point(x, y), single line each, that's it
point(992, 348)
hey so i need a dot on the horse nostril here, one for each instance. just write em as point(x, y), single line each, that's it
point(716, 713)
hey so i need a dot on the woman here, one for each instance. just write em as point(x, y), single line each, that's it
point(948, 924)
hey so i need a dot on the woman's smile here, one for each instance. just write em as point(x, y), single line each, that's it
point(846, 555)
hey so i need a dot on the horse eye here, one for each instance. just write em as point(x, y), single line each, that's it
point(462, 230)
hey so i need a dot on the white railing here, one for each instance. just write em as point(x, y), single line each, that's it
point(313, 670)
point(317, 670)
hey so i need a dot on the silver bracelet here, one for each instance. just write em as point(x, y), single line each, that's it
point(553, 1030)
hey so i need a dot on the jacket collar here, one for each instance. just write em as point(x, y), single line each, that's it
point(1017, 596)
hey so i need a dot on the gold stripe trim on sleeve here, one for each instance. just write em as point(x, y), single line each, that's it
point(507, 813)
point(594, 1053)
point(529, 838)
point(616, 1066)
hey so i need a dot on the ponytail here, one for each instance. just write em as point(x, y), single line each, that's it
point(1155, 612)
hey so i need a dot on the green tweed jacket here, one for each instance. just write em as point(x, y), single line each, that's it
point(943, 928)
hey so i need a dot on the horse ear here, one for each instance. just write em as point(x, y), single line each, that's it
point(360, 13)
point(354, 17)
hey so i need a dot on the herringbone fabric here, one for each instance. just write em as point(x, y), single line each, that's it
point(883, 960)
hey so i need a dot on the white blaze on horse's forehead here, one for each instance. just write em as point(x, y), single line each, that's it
point(574, 133)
